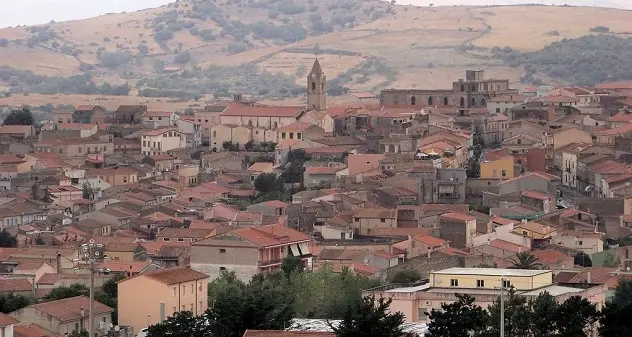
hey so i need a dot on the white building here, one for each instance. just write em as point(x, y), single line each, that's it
point(161, 141)
point(191, 129)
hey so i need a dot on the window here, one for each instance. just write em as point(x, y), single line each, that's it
point(462, 102)
point(454, 282)
point(480, 283)
point(494, 173)
point(174, 295)
point(165, 239)
point(503, 173)
point(313, 85)
point(356, 219)
point(183, 290)
point(222, 268)
point(445, 101)
point(519, 141)
point(497, 110)
point(282, 135)
point(580, 242)
point(291, 135)
point(298, 136)
point(159, 118)
point(413, 100)
point(222, 250)
point(382, 220)
point(506, 284)
point(192, 289)
point(151, 118)
point(430, 100)
point(180, 239)
point(76, 326)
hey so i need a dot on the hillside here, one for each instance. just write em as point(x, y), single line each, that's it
point(201, 48)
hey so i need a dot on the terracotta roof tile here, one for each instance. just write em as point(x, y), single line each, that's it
point(458, 216)
point(7, 320)
point(262, 111)
point(15, 285)
point(537, 195)
point(260, 167)
point(32, 330)
point(375, 213)
point(549, 255)
point(322, 170)
point(170, 232)
point(69, 309)
point(429, 240)
point(509, 246)
point(157, 114)
point(598, 275)
point(174, 275)
point(271, 235)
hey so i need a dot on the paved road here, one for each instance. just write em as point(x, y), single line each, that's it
point(569, 195)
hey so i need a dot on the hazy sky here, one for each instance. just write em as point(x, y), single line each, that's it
point(30, 12)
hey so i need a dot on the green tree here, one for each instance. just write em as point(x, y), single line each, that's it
point(86, 191)
point(19, 117)
point(266, 183)
point(262, 304)
point(406, 276)
point(181, 324)
point(73, 290)
point(582, 259)
point(615, 316)
point(10, 302)
point(575, 317)
point(611, 260)
point(108, 295)
point(462, 318)
point(525, 260)
point(517, 315)
point(292, 264)
point(370, 318)
point(7, 240)
point(543, 315)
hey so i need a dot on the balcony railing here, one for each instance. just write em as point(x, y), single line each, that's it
point(449, 195)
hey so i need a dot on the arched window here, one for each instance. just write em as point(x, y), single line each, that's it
point(430, 100)
point(473, 102)
point(462, 88)
point(413, 100)
point(275, 125)
point(313, 85)
point(483, 102)
point(445, 101)
point(322, 86)
point(214, 134)
point(462, 102)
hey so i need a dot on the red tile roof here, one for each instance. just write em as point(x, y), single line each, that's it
point(598, 275)
point(534, 173)
point(157, 132)
point(626, 128)
point(271, 235)
point(429, 240)
point(7, 320)
point(622, 117)
point(15, 285)
point(275, 203)
point(322, 170)
point(260, 167)
point(69, 309)
point(458, 216)
point(537, 195)
point(296, 126)
point(549, 255)
point(33, 330)
point(509, 246)
point(15, 129)
point(173, 275)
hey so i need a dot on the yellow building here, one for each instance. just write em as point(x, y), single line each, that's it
point(151, 297)
point(490, 278)
point(502, 167)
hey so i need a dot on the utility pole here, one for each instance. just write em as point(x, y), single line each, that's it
point(91, 253)
point(502, 306)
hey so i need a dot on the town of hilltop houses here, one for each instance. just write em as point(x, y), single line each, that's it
point(478, 181)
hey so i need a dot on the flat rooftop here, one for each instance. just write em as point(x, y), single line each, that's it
point(553, 289)
point(490, 272)
point(409, 289)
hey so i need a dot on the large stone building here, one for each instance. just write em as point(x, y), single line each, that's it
point(472, 92)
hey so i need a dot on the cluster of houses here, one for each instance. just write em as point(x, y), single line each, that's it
point(392, 185)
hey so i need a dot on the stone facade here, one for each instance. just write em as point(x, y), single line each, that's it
point(473, 92)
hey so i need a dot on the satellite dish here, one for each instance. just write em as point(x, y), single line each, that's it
point(117, 328)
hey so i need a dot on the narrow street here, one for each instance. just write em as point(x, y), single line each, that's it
point(568, 196)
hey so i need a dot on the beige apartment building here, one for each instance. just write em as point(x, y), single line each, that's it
point(77, 147)
point(151, 297)
point(160, 141)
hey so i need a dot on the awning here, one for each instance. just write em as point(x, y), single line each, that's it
point(294, 249)
point(304, 248)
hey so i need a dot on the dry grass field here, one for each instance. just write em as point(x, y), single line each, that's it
point(422, 46)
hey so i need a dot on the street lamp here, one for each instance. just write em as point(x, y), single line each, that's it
point(91, 253)
point(502, 306)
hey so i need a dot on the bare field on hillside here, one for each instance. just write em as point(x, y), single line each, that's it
point(40, 61)
point(522, 28)
point(288, 64)
point(440, 18)
point(109, 102)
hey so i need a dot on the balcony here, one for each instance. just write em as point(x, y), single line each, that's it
point(568, 170)
point(269, 263)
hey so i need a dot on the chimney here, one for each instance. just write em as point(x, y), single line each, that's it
point(588, 277)
point(82, 312)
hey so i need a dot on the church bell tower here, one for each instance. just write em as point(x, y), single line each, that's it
point(316, 88)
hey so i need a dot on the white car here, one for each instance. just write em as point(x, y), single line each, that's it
point(143, 332)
